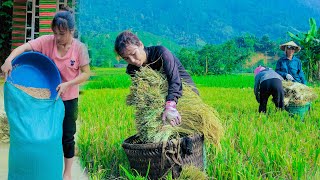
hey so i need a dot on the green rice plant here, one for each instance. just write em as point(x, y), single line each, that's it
point(110, 81)
point(97, 175)
point(266, 143)
point(107, 78)
point(192, 172)
point(226, 81)
point(135, 175)
point(117, 78)
point(255, 146)
point(104, 124)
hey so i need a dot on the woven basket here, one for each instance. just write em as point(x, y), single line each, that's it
point(165, 156)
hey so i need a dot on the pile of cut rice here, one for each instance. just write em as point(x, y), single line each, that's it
point(297, 94)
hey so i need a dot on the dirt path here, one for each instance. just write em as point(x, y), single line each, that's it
point(78, 173)
point(4, 151)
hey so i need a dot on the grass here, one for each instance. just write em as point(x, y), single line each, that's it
point(255, 146)
point(225, 81)
point(108, 78)
point(117, 78)
point(105, 122)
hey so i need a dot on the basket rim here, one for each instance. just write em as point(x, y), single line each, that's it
point(294, 105)
point(128, 145)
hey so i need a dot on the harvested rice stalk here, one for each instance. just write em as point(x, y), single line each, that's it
point(198, 116)
point(148, 92)
point(4, 129)
point(40, 93)
point(192, 172)
point(297, 94)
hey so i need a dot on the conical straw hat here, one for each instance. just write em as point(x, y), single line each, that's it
point(290, 43)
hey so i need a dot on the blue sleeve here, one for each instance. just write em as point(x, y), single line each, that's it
point(279, 69)
point(301, 74)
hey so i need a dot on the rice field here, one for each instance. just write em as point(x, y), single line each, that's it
point(255, 146)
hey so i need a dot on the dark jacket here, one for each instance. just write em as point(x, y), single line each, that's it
point(263, 75)
point(158, 57)
point(292, 67)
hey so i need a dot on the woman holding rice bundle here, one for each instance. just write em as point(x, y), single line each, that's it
point(289, 66)
point(72, 60)
point(131, 49)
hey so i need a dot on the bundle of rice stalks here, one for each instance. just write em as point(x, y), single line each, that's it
point(147, 96)
point(297, 94)
point(192, 172)
point(148, 93)
point(198, 116)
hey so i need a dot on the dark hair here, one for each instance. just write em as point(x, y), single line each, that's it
point(123, 40)
point(63, 19)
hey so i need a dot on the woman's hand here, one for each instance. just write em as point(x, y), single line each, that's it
point(171, 114)
point(6, 68)
point(62, 88)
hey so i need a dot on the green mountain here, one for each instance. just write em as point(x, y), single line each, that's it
point(195, 22)
point(101, 46)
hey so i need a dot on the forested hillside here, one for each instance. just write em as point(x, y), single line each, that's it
point(101, 46)
point(192, 23)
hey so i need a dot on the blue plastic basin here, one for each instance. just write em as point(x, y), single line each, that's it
point(33, 69)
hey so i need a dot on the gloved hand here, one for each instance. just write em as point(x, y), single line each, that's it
point(289, 77)
point(171, 114)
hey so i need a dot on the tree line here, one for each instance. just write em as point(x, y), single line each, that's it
point(6, 28)
point(227, 57)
